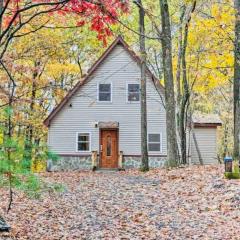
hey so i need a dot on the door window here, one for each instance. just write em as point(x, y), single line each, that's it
point(109, 145)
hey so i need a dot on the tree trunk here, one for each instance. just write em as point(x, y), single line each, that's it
point(180, 108)
point(184, 94)
point(179, 66)
point(12, 85)
point(8, 136)
point(197, 147)
point(237, 82)
point(166, 41)
point(29, 131)
point(144, 147)
point(195, 139)
point(1, 8)
point(225, 141)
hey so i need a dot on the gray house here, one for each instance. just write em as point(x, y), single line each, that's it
point(98, 122)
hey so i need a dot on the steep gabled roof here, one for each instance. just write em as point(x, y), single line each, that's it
point(117, 41)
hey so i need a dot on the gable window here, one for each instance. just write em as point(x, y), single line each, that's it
point(154, 142)
point(133, 92)
point(104, 92)
point(83, 142)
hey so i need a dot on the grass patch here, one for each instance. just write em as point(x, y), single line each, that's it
point(232, 175)
point(32, 185)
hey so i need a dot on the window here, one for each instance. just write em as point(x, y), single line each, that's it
point(109, 146)
point(154, 142)
point(133, 92)
point(104, 92)
point(83, 142)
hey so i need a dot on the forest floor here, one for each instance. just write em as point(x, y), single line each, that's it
point(187, 203)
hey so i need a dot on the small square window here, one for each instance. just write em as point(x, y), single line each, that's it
point(154, 142)
point(83, 146)
point(154, 137)
point(83, 142)
point(83, 137)
point(133, 92)
point(154, 147)
point(104, 92)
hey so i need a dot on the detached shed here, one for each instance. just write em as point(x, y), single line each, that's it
point(203, 142)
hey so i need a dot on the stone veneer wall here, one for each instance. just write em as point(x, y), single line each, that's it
point(70, 163)
point(85, 163)
point(134, 162)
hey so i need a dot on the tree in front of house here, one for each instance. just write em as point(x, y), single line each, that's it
point(236, 87)
point(166, 40)
point(143, 57)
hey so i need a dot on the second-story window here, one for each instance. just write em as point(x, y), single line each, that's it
point(133, 92)
point(104, 92)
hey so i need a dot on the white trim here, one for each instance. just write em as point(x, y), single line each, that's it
point(127, 83)
point(161, 144)
point(90, 142)
point(48, 138)
point(110, 94)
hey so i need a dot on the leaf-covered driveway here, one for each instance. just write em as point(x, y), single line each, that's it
point(186, 203)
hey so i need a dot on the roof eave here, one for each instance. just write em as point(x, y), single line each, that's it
point(207, 124)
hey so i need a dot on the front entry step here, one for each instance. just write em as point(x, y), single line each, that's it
point(107, 170)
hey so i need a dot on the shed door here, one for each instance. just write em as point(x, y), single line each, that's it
point(109, 148)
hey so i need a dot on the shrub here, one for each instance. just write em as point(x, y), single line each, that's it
point(232, 175)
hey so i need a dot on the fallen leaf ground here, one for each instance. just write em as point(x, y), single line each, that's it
point(186, 203)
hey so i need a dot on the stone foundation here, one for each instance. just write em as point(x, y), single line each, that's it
point(70, 163)
point(66, 163)
point(135, 162)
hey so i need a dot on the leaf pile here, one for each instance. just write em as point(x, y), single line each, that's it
point(187, 203)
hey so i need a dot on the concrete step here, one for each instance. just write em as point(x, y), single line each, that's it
point(107, 170)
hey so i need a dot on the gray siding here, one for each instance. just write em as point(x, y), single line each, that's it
point(207, 142)
point(119, 69)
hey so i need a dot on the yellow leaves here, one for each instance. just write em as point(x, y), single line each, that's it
point(188, 1)
point(39, 166)
point(1, 138)
point(216, 12)
point(229, 60)
point(223, 13)
point(210, 47)
point(59, 92)
point(57, 69)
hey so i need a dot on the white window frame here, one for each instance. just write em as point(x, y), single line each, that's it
point(127, 92)
point(155, 142)
point(98, 92)
point(90, 141)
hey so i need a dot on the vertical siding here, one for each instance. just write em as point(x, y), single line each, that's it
point(207, 142)
point(118, 69)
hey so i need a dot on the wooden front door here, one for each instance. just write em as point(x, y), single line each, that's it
point(109, 148)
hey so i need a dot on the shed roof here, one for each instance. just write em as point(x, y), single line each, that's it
point(207, 120)
point(117, 41)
